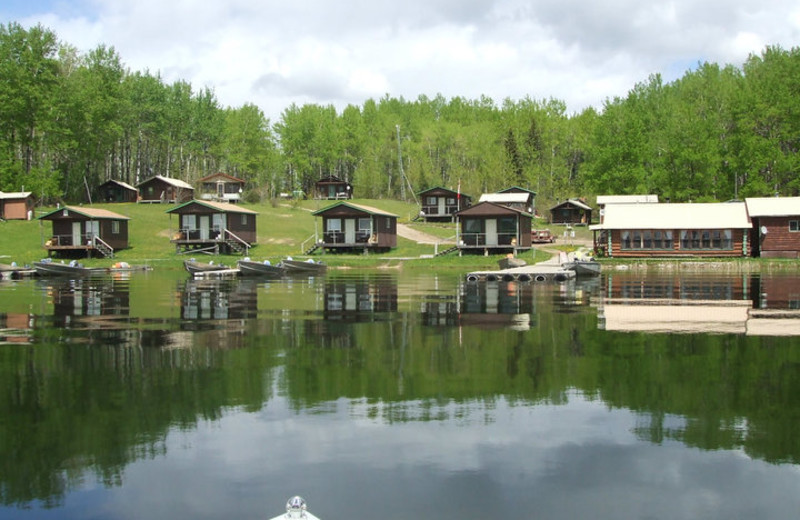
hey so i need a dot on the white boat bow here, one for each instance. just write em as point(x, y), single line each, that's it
point(296, 510)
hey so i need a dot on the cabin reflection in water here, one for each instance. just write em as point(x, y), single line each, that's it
point(360, 298)
point(218, 299)
point(497, 304)
point(16, 328)
point(88, 299)
point(725, 304)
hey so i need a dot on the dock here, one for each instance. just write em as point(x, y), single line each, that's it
point(220, 273)
point(542, 272)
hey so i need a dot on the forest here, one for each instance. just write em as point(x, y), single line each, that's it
point(70, 120)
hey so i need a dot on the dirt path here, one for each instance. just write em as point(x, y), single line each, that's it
point(418, 236)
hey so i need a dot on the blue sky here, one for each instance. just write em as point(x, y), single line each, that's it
point(274, 53)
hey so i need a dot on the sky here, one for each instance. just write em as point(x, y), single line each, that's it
point(273, 54)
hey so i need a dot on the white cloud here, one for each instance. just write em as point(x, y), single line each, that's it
point(313, 51)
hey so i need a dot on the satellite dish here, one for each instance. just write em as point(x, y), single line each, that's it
point(763, 230)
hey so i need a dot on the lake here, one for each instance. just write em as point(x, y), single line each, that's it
point(401, 395)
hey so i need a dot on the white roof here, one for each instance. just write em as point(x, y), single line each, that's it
point(714, 215)
point(505, 198)
point(169, 180)
point(15, 195)
point(626, 199)
point(123, 184)
point(773, 206)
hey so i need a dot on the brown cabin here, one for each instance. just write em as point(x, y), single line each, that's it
point(214, 227)
point(349, 227)
point(221, 187)
point(720, 229)
point(80, 231)
point(117, 191)
point(776, 226)
point(573, 212)
point(487, 226)
point(165, 189)
point(333, 188)
point(16, 206)
point(441, 204)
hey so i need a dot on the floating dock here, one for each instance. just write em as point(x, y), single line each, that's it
point(528, 273)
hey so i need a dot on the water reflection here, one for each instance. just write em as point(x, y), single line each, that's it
point(16, 328)
point(360, 298)
point(257, 385)
point(218, 299)
point(732, 304)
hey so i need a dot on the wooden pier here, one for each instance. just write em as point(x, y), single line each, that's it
point(542, 272)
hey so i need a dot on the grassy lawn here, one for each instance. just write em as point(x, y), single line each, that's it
point(284, 229)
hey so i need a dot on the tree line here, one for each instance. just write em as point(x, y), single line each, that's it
point(69, 121)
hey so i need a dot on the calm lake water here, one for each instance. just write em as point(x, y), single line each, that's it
point(401, 396)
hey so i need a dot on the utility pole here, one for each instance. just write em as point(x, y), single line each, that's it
point(400, 165)
point(403, 179)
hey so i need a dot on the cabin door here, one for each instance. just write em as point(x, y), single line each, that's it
point(92, 228)
point(219, 223)
point(442, 210)
point(350, 231)
point(221, 191)
point(205, 225)
point(76, 233)
point(491, 232)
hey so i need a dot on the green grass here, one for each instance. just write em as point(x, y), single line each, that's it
point(284, 229)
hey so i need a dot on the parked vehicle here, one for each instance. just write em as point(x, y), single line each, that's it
point(542, 236)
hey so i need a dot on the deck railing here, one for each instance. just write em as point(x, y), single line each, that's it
point(479, 240)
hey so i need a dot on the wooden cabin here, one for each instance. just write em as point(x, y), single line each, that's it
point(776, 226)
point(353, 227)
point(489, 227)
point(213, 227)
point(530, 201)
point(514, 200)
point(574, 212)
point(165, 189)
point(16, 206)
point(604, 200)
point(117, 191)
point(80, 231)
point(221, 187)
point(662, 230)
point(333, 188)
point(441, 204)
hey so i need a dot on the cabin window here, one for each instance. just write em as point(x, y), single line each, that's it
point(451, 201)
point(650, 239)
point(472, 225)
point(244, 219)
point(431, 201)
point(794, 225)
point(115, 227)
point(364, 224)
point(335, 225)
point(714, 239)
point(625, 240)
point(637, 240)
